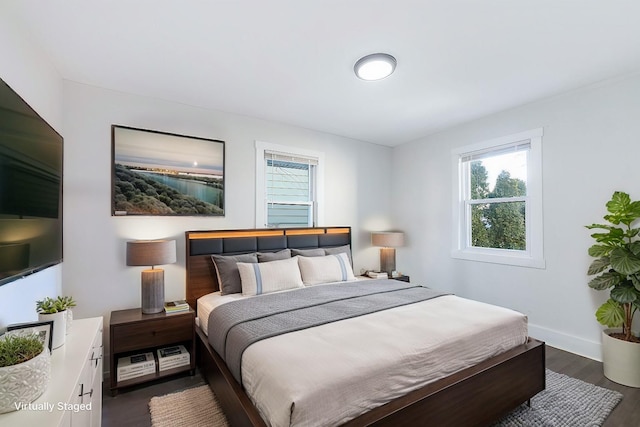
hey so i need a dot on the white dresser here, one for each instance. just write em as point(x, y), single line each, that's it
point(73, 397)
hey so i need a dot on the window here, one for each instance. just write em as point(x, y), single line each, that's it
point(288, 186)
point(498, 200)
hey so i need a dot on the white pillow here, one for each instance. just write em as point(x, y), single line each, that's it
point(324, 269)
point(265, 277)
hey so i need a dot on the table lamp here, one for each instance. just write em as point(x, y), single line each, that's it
point(151, 253)
point(388, 240)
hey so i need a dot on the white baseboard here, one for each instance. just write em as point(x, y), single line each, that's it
point(579, 346)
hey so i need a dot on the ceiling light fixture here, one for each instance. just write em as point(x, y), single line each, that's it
point(376, 66)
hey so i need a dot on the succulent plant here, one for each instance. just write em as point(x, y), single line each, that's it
point(50, 305)
point(15, 349)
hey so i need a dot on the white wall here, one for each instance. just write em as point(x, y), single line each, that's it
point(357, 185)
point(591, 147)
point(27, 71)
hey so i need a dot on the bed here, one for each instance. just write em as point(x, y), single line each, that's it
point(477, 394)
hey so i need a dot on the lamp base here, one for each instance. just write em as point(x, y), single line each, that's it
point(152, 291)
point(388, 260)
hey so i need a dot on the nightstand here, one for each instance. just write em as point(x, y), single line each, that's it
point(132, 332)
point(402, 278)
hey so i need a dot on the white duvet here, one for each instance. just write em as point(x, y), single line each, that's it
point(329, 374)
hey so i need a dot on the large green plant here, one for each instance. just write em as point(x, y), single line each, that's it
point(617, 263)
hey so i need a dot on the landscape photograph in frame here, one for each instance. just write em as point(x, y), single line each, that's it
point(158, 173)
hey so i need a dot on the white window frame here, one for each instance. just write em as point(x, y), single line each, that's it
point(533, 256)
point(261, 185)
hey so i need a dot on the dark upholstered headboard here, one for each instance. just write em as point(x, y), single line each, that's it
point(201, 274)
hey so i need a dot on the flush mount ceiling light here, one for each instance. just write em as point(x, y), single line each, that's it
point(375, 66)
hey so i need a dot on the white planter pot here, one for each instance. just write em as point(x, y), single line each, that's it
point(59, 326)
point(69, 320)
point(23, 383)
point(621, 360)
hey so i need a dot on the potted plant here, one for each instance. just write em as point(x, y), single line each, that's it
point(55, 309)
point(25, 369)
point(617, 269)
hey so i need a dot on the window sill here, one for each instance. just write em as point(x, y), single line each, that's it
point(499, 256)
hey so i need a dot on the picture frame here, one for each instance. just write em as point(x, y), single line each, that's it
point(166, 174)
point(44, 329)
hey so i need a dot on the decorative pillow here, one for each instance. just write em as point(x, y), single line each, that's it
point(330, 268)
point(274, 256)
point(308, 252)
point(265, 277)
point(340, 249)
point(227, 271)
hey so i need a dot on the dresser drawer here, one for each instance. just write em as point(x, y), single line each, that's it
point(152, 333)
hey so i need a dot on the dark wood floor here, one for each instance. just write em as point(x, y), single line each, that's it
point(626, 414)
point(130, 408)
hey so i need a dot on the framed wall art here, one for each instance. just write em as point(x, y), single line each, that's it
point(158, 173)
point(44, 331)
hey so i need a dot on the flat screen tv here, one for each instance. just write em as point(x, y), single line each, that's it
point(30, 189)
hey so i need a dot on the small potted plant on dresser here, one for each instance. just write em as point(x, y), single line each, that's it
point(56, 310)
point(25, 369)
point(617, 269)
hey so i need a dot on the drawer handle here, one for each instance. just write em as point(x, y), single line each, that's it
point(82, 393)
point(96, 360)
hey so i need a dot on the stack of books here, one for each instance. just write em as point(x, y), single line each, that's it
point(173, 357)
point(378, 274)
point(176, 306)
point(136, 366)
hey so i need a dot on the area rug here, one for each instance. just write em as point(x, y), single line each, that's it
point(566, 402)
point(194, 407)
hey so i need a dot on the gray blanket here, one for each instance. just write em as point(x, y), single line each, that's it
point(236, 325)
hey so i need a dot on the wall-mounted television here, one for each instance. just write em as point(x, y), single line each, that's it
point(30, 189)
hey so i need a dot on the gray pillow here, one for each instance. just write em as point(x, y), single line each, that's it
point(308, 252)
point(227, 271)
point(274, 256)
point(339, 249)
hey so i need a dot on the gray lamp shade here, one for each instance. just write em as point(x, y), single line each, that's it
point(151, 252)
point(387, 239)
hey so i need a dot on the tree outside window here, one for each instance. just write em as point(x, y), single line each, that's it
point(497, 225)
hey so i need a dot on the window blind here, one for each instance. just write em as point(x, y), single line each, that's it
point(284, 157)
point(290, 190)
point(496, 151)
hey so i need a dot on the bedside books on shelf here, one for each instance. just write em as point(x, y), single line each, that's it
point(136, 365)
point(377, 274)
point(176, 306)
point(173, 357)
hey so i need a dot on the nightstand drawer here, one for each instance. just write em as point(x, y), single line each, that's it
point(152, 333)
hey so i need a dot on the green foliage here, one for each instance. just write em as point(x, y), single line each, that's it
point(135, 193)
point(617, 263)
point(610, 314)
point(479, 183)
point(15, 349)
point(497, 225)
point(598, 265)
point(50, 305)
point(605, 281)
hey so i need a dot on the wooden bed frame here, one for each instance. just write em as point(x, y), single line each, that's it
point(476, 396)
